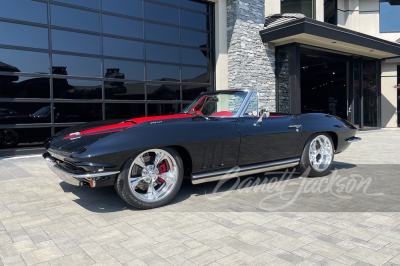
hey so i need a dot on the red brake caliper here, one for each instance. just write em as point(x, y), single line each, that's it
point(163, 168)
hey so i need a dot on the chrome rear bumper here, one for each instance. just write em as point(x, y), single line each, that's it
point(73, 178)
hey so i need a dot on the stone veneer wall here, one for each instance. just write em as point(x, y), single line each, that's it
point(251, 64)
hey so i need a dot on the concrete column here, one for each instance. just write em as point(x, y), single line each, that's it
point(389, 95)
point(251, 64)
point(273, 7)
point(319, 10)
point(221, 46)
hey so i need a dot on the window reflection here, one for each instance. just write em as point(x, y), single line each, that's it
point(74, 18)
point(162, 72)
point(195, 38)
point(122, 26)
point(125, 110)
point(161, 13)
point(24, 87)
point(195, 75)
point(120, 90)
point(163, 91)
point(22, 137)
point(122, 48)
point(86, 3)
point(163, 109)
point(163, 53)
point(27, 10)
point(199, 6)
point(125, 69)
point(195, 57)
point(297, 6)
point(125, 7)
point(161, 33)
point(75, 42)
point(76, 65)
point(22, 35)
point(388, 15)
point(190, 92)
point(76, 89)
point(24, 113)
point(194, 20)
point(21, 61)
point(77, 112)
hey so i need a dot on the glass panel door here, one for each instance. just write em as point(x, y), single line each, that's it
point(370, 94)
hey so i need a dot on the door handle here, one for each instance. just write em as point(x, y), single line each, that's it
point(295, 127)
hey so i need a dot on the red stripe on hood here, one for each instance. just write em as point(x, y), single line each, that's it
point(124, 125)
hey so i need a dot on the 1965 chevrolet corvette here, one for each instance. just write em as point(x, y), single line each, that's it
point(147, 158)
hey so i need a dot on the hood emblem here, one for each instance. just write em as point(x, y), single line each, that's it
point(155, 122)
point(75, 135)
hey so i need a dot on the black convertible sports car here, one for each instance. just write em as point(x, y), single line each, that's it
point(147, 158)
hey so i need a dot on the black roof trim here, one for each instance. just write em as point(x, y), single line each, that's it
point(329, 31)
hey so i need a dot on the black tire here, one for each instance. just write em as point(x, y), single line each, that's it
point(122, 183)
point(8, 138)
point(305, 163)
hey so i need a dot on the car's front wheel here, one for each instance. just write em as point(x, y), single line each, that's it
point(150, 178)
point(317, 156)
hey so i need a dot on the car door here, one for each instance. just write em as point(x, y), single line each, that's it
point(275, 138)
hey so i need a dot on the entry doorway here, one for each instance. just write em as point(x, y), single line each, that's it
point(324, 81)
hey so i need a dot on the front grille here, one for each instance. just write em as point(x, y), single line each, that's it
point(71, 168)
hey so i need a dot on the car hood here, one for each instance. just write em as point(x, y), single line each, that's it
point(75, 139)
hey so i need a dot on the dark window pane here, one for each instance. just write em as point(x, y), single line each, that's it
point(24, 113)
point(22, 35)
point(74, 18)
point(125, 7)
point(195, 57)
point(163, 53)
point(76, 89)
point(86, 3)
point(125, 110)
point(297, 6)
point(120, 90)
point(195, 38)
point(388, 15)
point(76, 65)
point(163, 109)
point(190, 92)
point(123, 48)
point(195, 74)
point(77, 112)
point(75, 42)
point(162, 72)
point(161, 33)
point(122, 26)
point(123, 69)
point(24, 87)
point(24, 10)
point(162, 13)
point(171, 2)
point(200, 6)
point(163, 91)
point(194, 20)
point(21, 61)
point(330, 11)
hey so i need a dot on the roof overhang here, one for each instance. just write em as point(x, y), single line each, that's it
point(315, 33)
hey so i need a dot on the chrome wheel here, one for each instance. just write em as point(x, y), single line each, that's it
point(8, 137)
point(321, 153)
point(153, 175)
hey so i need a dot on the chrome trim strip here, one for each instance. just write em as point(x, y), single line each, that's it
point(353, 139)
point(246, 170)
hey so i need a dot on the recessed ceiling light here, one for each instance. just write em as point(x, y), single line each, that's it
point(333, 42)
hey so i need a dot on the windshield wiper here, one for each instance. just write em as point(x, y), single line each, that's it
point(197, 115)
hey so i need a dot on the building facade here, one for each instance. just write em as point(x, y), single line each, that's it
point(68, 61)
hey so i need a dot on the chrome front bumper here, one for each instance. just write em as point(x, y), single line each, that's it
point(72, 178)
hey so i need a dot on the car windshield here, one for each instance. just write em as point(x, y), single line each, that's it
point(44, 111)
point(217, 104)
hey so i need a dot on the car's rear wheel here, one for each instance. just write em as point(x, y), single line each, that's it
point(8, 138)
point(317, 156)
point(151, 178)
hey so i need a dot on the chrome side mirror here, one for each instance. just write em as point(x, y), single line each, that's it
point(264, 113)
